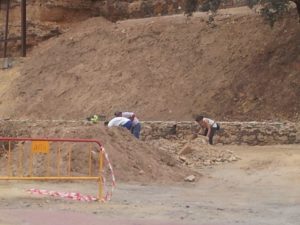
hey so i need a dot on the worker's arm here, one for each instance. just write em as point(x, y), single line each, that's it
point(129, 115)
point(208, 131)
point(208, 126)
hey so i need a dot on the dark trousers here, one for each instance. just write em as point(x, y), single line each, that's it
point(136, 129)
point(211, 135)
point(128, 125)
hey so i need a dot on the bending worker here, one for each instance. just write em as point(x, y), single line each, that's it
point(119, 122)
point(209, 125)
point(136, 126)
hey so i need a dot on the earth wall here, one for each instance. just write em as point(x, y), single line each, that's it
point(77, 10)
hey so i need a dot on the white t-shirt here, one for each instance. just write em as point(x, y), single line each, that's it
point(129, 115)
point(117, 121)
point(211, 122)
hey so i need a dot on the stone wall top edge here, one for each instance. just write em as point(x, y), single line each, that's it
point(160, 121)
point(225, 122)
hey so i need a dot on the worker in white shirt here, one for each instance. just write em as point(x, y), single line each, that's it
point(136, 125)
point(209, 125)
point(119, 122)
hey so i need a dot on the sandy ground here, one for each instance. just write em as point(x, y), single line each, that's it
point(262, 188)
point(99, 67)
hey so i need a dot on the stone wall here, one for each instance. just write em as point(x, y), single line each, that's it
point(250, 133)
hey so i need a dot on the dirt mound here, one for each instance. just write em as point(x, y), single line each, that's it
point(195, 153)
point(164, 68)
point(132, 160)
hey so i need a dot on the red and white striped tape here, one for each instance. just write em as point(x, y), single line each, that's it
point(108, 194)
point(69, 195)
point(79, 197)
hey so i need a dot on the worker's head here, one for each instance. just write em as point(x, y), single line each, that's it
point(118, 114)
point(105, 123)
point(198, 118)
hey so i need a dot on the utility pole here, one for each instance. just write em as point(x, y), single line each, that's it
point(6, 28)
point(23, 27)
point(22, 37)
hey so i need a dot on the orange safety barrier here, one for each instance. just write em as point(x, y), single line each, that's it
point(24, 158)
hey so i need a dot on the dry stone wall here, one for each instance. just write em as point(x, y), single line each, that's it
point(250, 133)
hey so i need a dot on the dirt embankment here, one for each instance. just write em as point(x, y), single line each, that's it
point(161, 161)
point(132, 160)
point(163, 68)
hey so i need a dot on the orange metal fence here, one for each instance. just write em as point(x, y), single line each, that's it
point(54, 159)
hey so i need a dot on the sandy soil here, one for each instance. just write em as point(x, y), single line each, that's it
point(262, 188)
point(161, 68)
point(131, 159)
point(98, 67)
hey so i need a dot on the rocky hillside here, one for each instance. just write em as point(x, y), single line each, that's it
point(46, 19)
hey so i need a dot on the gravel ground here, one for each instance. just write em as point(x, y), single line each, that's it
point(261, 188)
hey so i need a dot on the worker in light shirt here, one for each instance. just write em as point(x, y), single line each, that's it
point(209, 125)
point(119, 122)
point(136, 125)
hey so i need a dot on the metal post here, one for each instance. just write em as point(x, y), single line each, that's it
point(23, 27)
point(6, 27)
point(1, 18)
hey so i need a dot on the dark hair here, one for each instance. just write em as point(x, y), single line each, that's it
point(198, 118)
point(118, 113)
point(106, 123)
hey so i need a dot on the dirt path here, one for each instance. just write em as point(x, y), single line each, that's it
point(262, 188)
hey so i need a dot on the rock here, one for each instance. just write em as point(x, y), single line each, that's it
point(201, 140)
point(135, 166)
point(190, 178)
point(134, 8)
point(207, 163)
point(141, 172)
point(182, 158)
point(171, 163)
point(232, 158)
